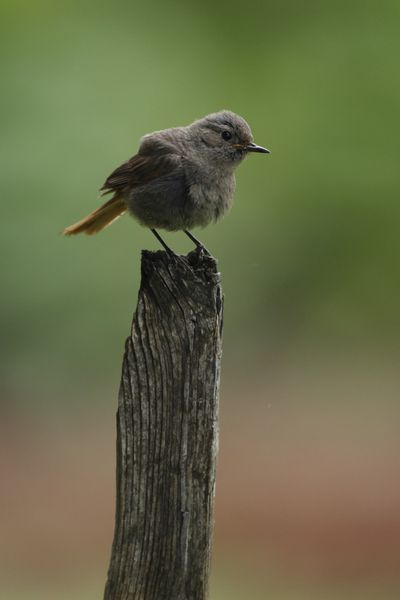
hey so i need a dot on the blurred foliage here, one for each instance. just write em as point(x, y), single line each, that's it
point(310, 250)
point(309, 254)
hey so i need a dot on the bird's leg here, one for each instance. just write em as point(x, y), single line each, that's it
point(163, 244)
point(197, 242)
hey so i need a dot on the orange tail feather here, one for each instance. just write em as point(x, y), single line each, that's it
point(100, 218)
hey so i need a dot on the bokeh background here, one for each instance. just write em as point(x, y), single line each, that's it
point(308, 492)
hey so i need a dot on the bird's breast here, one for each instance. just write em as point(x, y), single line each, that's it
point(211, 197)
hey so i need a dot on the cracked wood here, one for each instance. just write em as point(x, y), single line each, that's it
point(167, 433)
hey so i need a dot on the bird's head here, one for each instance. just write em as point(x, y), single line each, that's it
point(224, 137)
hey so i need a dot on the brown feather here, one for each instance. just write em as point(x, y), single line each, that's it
point(138, 170)
point(99, 218)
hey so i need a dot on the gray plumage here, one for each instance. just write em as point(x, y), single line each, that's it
point(180, 178)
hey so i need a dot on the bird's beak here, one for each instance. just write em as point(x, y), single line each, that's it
point(254, 148)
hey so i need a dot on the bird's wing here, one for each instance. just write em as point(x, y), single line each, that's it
point(141, 169)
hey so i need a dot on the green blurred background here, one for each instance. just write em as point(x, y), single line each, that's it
point(308, 487)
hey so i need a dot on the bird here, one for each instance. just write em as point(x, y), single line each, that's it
point(180, 178)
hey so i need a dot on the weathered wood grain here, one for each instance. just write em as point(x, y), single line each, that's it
point(167, 433)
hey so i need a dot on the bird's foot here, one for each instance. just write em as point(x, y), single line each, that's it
point(200, 247)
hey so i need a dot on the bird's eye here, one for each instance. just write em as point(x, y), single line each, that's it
point(226, 135)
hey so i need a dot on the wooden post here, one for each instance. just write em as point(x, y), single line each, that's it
point(167, 433)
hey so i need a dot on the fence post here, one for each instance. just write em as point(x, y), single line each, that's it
point(167, 433)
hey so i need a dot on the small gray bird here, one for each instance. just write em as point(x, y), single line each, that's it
point(181, 177)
